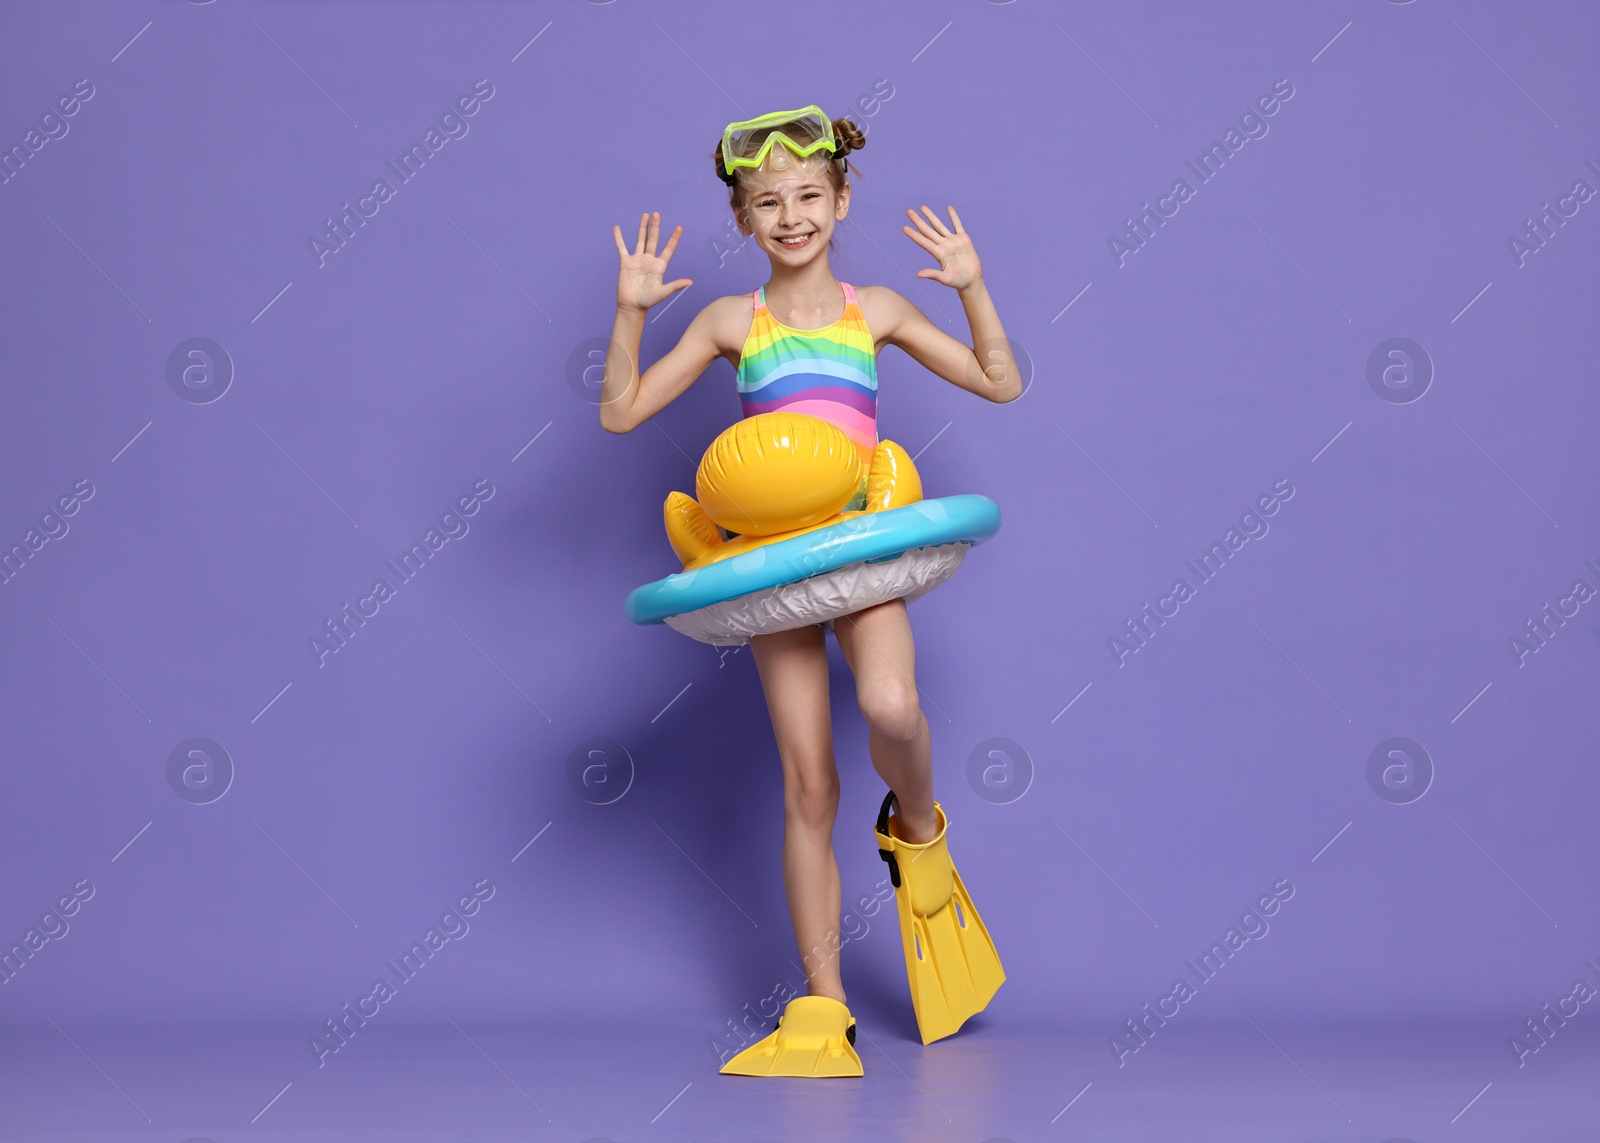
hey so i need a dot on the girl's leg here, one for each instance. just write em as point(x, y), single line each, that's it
point(794, 673)
point(877, 644)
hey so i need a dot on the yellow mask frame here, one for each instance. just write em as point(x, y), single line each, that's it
point(748, 142)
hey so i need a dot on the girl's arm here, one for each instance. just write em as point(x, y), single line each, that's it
point(988, 369)
point(627, 400)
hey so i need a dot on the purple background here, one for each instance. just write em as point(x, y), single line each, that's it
point(450, 331)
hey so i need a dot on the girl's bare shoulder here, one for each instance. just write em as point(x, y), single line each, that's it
point(884, 310)
point(726, 320)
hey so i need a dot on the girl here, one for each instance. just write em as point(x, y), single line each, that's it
point(788, 189)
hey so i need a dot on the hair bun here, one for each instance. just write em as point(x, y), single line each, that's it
point(847, 137)
point(722, 171)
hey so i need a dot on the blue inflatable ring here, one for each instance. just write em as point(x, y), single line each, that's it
point(871, 538)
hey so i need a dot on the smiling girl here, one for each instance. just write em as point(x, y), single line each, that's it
point(807, 343)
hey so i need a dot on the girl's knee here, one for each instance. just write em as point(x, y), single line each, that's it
point(812, 799)
point(890, 708)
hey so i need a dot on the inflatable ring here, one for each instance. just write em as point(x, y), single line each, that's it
point(902, 553)
point(897, 546)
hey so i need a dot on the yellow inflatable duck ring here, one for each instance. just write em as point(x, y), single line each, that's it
point(777, 475)
point(786, 529)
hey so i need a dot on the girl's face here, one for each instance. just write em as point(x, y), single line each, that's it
point(793, 199)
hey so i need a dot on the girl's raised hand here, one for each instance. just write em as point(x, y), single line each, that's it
point(639, 284)
point(958, 260)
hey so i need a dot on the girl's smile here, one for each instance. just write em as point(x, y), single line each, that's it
point(791, 209)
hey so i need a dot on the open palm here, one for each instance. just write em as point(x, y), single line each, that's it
point(958, 259)
point(639, 284)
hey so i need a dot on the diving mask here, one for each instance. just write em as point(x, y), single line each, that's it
point(748, 143)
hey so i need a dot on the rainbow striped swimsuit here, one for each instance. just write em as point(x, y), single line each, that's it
point(831, 373)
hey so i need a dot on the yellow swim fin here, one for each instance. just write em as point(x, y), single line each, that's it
point(950, 961)
point(816, 1036)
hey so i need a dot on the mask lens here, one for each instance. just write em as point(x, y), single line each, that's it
point(797, 133)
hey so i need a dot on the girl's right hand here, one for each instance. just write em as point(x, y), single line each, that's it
point(639, 284)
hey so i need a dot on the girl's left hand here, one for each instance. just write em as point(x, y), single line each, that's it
point(958, 260)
